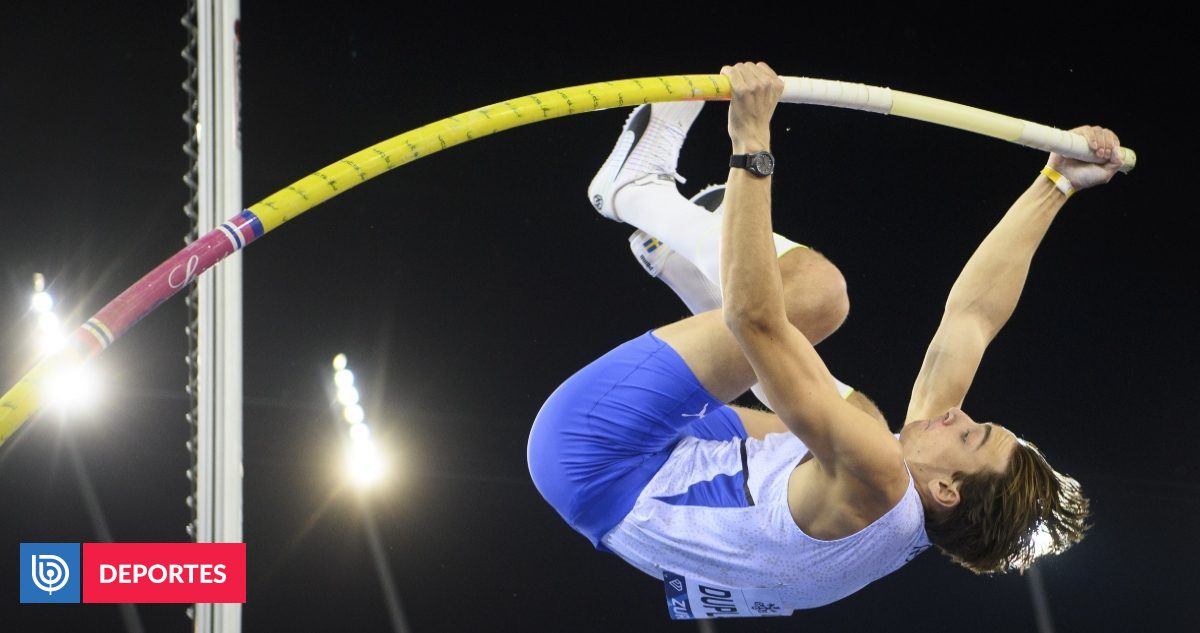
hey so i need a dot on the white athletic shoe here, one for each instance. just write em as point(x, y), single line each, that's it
point(646, 151)
point(651, 253)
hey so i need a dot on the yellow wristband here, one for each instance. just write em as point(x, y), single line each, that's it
point(1060, 181)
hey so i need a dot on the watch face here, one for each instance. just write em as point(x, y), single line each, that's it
point(762, 164)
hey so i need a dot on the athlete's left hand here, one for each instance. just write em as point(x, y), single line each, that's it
point(756, 91)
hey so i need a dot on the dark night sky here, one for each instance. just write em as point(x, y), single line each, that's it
point(466, 286)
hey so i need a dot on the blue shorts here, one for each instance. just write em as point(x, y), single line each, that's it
point(605, 432)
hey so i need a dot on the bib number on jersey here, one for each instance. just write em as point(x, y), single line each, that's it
point(700, 600)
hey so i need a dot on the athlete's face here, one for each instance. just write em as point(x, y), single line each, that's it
point(953, 442)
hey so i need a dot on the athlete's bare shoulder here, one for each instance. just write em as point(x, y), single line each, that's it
point(826, 507)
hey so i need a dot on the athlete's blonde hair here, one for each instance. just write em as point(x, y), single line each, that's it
point(1005, 520)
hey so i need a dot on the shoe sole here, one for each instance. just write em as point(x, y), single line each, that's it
point(710, 197)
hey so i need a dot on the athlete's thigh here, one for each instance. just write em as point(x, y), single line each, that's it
point(712, 353)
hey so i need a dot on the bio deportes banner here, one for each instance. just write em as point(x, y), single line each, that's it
point(182, 573)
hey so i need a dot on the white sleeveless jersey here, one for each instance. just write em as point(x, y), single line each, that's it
point(714, 524)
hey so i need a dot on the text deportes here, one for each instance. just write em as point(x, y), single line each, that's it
point(173, 574)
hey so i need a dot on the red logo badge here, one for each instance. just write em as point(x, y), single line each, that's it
point(164, 572)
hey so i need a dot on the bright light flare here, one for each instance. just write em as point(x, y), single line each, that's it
point(347, 396)
point(42, 302)
point(365, 467)
point(1042, 542)
point(50, 341)
point(47, 321)
point(359, 433)
point(354, 414)
point(364, 463)
point(73, 388)
point(343, 378)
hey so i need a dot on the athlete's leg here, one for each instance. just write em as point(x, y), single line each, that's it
point(636, 184)
point(605, 432)
point(816, 303)
point(698, 292)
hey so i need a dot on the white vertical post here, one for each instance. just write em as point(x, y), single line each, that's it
point(219, 322)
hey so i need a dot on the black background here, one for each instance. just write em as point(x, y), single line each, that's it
point(466, 286)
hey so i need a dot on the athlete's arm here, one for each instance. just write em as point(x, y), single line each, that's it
point(760, 423)
point(987, 289)
point(841, 437)
point(868, 406)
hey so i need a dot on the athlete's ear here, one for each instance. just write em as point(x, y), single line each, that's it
point(944, 492)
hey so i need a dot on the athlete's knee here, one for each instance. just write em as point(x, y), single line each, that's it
point(815, 293)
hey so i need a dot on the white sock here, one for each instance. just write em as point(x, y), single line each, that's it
point(690, 230)
point(657, 208)
point(690, 285)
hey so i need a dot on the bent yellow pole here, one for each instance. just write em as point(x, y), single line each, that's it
point(114, 319)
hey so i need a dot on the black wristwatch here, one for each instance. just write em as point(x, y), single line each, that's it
point(761, 164)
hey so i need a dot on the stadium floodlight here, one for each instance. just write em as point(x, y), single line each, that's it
point(364, 464)
point(354, 414)
point(359, 432)
point(347, 396)
point(42, 301)
point(49, 336)
point(343, 378)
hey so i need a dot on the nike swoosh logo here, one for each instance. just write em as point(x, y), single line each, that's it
point(638, 126)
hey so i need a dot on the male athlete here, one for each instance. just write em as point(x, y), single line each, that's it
point(747, 513)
